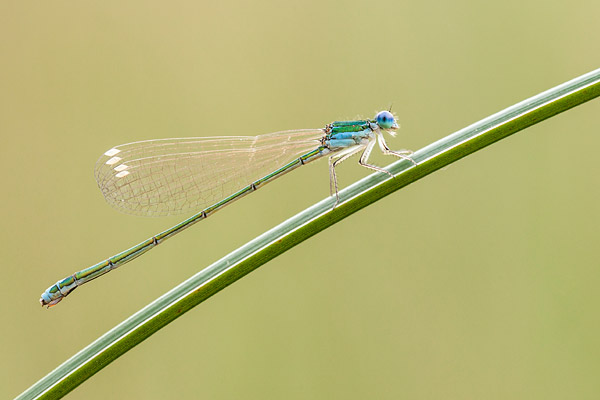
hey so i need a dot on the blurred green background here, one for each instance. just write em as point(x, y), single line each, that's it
point(480, 281)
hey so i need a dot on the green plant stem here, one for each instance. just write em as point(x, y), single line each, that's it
point(257, 252)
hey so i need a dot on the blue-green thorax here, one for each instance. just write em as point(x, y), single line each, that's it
point(341, 134)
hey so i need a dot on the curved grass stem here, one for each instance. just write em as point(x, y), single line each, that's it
point(302, 226)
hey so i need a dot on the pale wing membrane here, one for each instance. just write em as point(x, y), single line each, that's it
point(172, 176)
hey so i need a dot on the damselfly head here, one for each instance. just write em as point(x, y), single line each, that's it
point(386, 121)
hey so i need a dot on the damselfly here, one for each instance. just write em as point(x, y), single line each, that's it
point(170, 176)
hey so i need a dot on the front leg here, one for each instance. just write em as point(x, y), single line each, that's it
point(404, 154)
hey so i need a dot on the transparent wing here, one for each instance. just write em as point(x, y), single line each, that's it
point(171, 176)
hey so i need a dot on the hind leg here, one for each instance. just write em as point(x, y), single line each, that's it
point(334, 160)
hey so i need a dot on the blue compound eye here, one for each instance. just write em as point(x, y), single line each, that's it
point(386, 120)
